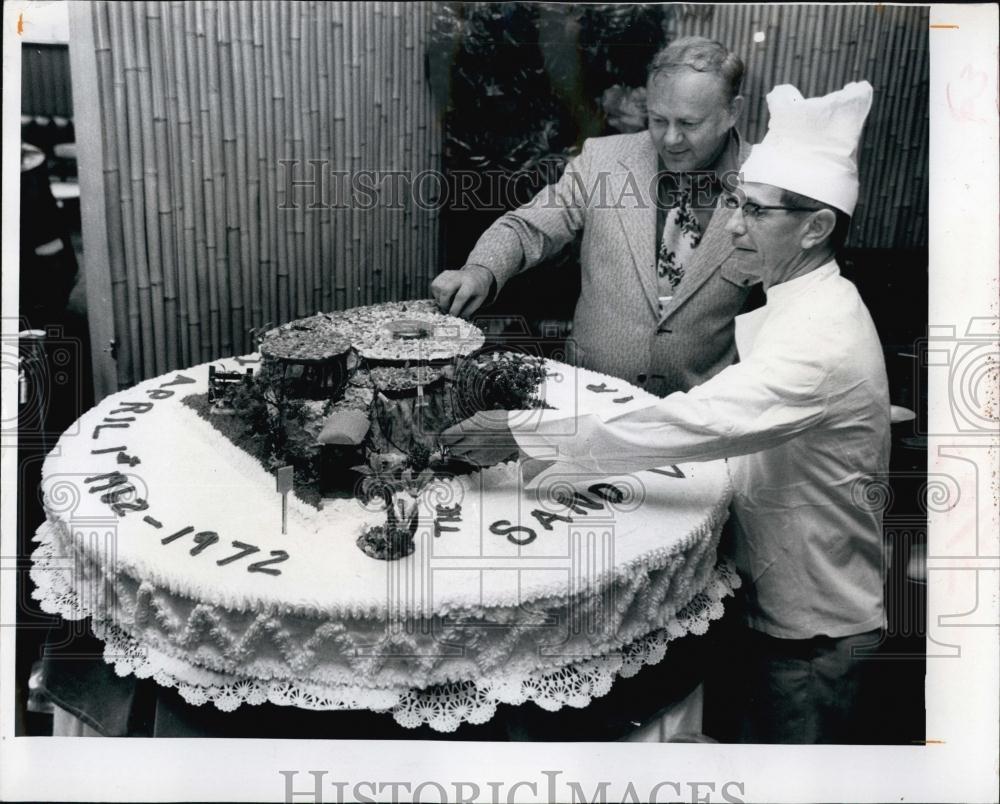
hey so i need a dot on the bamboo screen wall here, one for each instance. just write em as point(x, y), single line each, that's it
point(819, 48)
point(199, 102)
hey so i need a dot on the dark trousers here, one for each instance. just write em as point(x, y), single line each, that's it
point(807, 690)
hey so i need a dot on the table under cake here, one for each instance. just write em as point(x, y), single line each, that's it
point(169, 537)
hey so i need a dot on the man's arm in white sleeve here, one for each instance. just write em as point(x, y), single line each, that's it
point(747, 407)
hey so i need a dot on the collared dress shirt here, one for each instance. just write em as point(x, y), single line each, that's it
point(685, 203)
point(707, 184)
point(804, 419)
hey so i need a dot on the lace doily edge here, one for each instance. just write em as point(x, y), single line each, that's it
point(443, 708)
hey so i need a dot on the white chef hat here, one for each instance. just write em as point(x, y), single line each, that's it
point(811, 144)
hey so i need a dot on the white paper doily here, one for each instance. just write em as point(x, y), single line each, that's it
point(443, 707)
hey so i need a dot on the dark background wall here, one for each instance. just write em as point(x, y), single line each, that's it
point(45, 84)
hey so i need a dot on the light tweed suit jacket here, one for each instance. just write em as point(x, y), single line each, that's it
point(608, 194)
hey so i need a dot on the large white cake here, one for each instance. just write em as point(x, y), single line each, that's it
point(176, 538)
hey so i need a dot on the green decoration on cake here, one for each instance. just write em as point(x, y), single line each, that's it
point(355, 402)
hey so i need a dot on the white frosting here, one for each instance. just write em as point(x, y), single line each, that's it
point(210, 654)
point(192, 476)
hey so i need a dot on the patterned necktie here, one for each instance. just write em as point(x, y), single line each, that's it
point(681, 235)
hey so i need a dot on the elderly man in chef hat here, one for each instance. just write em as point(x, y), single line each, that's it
point(803, 418)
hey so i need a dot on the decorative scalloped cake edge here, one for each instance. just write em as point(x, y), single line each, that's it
point(444, 708)
point(48, 572)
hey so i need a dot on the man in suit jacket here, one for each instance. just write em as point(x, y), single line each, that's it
point(632, 320)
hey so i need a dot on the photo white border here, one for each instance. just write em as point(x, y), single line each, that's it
point(963, 707)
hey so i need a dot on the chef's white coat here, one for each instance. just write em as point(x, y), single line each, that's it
point(804, 419)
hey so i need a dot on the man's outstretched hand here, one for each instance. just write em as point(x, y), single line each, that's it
point(486, 440)
point(461, 293)
point(481, 440)
point(532, 468)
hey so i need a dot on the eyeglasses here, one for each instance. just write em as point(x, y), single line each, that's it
point(752, 210)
